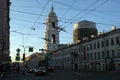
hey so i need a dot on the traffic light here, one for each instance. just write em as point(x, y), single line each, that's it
point(23, 57)
point(17, 58)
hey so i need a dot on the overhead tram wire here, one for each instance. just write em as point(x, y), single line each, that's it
point(37, 14)
point(37, 1)
point(113, 11)
point(44, 22)
point(60, 3)
point(102, 18)
point(25, 12)
point(40, 14)
point(85, 9)
point(65, 13)
point(36, 36)
point(28, 20)
point(67, 22)
point(82, 11)
point(62, 19)
point(94, 8)
point(20, 33)
point(57, 2)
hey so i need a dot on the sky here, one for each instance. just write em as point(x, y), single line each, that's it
point(27, 24)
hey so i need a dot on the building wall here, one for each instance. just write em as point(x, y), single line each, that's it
point(97, 54)
point(84, 29)
point(34, 59)
point(4, 30)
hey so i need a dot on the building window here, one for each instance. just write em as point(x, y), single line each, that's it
point(113, 53)
point(53, 39)
point(87, 56)
point(98, 45)
point(117, 40)
point(91, 56)
point(87, 48)
point(90, 46)
point(112, 41)
point(94, 46)
point(108, 55)
point(95, 56)
point(107, 42)
point(98, 55)
point(103, 55)
point(102, 44)
point(53, 24)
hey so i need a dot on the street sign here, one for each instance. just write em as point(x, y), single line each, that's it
point(18, 50)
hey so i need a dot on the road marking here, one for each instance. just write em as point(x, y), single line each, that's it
point(76, 79)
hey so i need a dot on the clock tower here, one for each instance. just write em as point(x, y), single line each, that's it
point(52, 32)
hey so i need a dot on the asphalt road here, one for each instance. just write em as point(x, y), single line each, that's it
point(66, 75)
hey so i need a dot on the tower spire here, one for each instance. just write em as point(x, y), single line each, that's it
point(52, 9)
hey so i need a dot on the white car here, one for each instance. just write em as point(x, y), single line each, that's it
point(41, 71)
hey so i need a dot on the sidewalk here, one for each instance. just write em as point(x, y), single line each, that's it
point(6, 75)
point(9, 74)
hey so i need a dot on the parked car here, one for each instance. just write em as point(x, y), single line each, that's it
point(31, 69)
point(41, 71)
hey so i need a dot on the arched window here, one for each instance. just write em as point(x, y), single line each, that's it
point(53, 24)
point(53, 39)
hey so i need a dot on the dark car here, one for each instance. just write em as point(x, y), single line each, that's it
point(41, 71)
point(31, 69)
point(51, 68)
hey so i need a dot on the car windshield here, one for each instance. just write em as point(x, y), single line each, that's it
point(31, 67)
point(42, 68)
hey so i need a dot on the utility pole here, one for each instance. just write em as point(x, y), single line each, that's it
point(105, 56)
